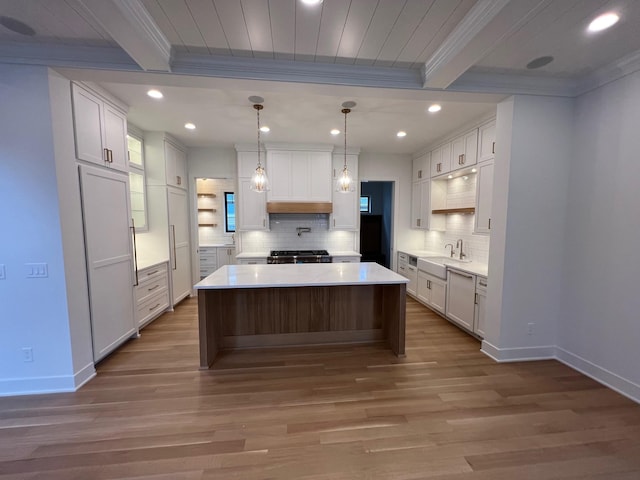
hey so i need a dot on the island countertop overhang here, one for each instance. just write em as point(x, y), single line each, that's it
point(300, 275)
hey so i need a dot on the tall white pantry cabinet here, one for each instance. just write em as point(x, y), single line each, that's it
point(101, 153)
point(167, 195)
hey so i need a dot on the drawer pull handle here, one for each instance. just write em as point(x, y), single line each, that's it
point(154, 307)
point(461, 274)
point(153, 288)
point(152, 273)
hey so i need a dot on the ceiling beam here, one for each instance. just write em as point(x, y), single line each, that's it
point(487, 24)
point(132, 27)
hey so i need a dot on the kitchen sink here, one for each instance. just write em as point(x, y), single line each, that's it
point(437, 266)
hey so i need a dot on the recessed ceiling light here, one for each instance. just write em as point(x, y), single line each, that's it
point(401, 134)
point(335, 131)
point(450, 176)
point(603, 22)
point(153, 93)
point(474, 170)
point(189, 126)
point(434, 108)
point(311, 2)
point(539, 62)
point(264, 129)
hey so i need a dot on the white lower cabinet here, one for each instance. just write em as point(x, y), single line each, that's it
point(208, 261)
point(407, 270)
point(481, 307)
point(252, 261)
point(152, 293)
point(461, 289)
point(180, 249)
point(226, 256)
point(351, 259)
point(432, 291)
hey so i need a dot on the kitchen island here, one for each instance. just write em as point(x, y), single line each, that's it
point(300, 304)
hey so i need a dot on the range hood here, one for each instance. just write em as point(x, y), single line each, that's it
point(299, 207)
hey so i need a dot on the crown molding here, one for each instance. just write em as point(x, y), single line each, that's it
point(615, 70)
point(295, 71)
point(98, 57)
point(513, 84)
point(304, 147)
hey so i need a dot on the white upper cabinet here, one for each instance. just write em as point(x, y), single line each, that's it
point(487, 141)
point(299, 176)
point(100, 130)
point(421, 168)
point(484, 192)
point(421, 204)
point(176, 160)
point(346, 211)
point(441, 160)
point(251, 211)
point(464, 150)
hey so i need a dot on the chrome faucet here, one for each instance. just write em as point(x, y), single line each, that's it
point(449, 245)
point(459, 245)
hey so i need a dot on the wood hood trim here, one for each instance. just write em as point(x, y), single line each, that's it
point(299, 207)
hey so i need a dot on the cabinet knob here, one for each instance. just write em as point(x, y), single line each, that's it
point(419, 173)
point(493, 147)
point(489, 224)
point(178, 180)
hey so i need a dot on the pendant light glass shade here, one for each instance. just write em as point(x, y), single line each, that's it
point(344, 182)
point(259, 181)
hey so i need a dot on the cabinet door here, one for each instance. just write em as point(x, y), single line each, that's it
point(487, 142)
point(421, 168)
point(422, 290)
point(346, 212)
point(226, 256)
point(115, 138)
point(403, 268)
point(87, 122)
point(252, 208)
point(441, 160)
point(416, 208)
point(105, 207)
point(438, 294)
point(484, 193)
point(279, 175)
point(176, 164)
point(461, 291)
point(480, 313)
point(319, 174)
point(412, 275)
point(180, 254)
point(464, 150)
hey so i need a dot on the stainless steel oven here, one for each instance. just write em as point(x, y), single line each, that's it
point(299, 256)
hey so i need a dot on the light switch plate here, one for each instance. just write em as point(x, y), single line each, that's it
point(37, 270)
point(3, 273)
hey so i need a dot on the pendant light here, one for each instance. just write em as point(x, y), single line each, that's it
point(344, 182)
point(259, 181)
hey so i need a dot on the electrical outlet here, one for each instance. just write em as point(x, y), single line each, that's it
point(37, 270)
point(530, 328)
point(27, 354)
point(3, 273)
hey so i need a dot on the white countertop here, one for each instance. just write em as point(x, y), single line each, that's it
point(300, 275)
point(143, 263)
point(252, 255)
point(475, 268)
point(344, 253)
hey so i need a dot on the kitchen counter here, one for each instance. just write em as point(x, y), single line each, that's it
point(473, 267)
point(243, 306)
point(252, 255)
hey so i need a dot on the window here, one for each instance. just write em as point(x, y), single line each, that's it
point(229, 212)
point(365, 203)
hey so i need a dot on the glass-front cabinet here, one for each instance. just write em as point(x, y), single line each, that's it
point(137, 182)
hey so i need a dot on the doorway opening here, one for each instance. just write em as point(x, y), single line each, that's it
point(376, 221)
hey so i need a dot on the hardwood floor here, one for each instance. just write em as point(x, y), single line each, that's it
point(444, 412)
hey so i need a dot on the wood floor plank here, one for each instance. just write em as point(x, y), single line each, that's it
point(443, 412)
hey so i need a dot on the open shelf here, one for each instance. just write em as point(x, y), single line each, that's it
point(207, 210)
point(207, 224)
point(211, 195)
point(454, 210)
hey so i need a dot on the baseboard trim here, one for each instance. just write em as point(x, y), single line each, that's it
point(519, 354)
point(41, 385)
point(601, 375)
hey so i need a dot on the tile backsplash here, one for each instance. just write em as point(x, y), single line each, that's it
point(461, 192)
point(283, 235)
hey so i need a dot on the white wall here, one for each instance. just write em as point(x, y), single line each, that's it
point(600, 327)
point(35, 312)
point(531, 180)
point(398, 169)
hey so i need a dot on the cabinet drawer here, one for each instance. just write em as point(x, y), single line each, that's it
point(151, 274)
point(152, 307)
point(481, 283)
point(403, 257)
point(151, 288)
point(252, 261)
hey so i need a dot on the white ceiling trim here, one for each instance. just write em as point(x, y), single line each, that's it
point(437, 71)
point(296, 71)
point(615, 70)
point(513, 84)
point(130, 25)
point(98, 57)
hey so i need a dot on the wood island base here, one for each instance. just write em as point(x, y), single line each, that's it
point(307, 315)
